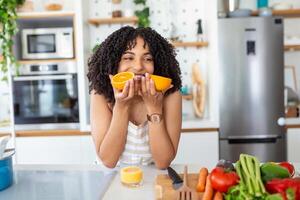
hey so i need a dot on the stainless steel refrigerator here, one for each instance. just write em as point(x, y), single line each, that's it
point(251, 88)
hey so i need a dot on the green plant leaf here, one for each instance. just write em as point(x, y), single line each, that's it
point(95, 48)
point(8, 28)
point(140, 2)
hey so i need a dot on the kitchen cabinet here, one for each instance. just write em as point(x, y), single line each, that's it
point(55, 150)
point(198, 148)
point(293, 141)
point(194, 148)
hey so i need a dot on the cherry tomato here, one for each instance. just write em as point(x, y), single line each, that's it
point(289, 167)
point(221, 180)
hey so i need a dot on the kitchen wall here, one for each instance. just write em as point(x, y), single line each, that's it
point(175, 18)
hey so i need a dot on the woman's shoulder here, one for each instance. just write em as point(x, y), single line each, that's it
point(173, 98)
point(174, 95)
point(100, 100)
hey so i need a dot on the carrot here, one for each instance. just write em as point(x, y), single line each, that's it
point(208, 193)
point(218, 196)
point(201, 180)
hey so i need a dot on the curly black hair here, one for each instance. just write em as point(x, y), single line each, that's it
point(105, 60)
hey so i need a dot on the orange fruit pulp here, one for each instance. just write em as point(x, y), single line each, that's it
point(161, 83)
point(119, 80)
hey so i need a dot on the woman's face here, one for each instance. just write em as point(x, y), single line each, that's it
point(137, 60)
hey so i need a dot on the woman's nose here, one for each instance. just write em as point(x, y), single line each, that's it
point(138, 65)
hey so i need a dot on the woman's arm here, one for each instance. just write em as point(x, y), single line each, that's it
point(109, 128)
point(164, 136)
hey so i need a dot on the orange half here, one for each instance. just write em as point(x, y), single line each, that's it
point(119, 80)
point(161, 83)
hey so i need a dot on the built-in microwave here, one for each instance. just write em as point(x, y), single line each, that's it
point(45, 43)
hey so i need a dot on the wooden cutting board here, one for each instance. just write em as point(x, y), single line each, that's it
point(164, 189)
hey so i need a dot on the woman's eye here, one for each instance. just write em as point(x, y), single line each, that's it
point(149, 59)
point(128, 58)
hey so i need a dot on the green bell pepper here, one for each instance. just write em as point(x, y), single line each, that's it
point(270, 171)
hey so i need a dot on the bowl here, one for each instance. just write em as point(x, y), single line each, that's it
point(119, 80)
point(6, 170)
point(161, 83)
point(240, 13)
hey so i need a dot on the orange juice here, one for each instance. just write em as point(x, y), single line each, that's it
point(131, 176)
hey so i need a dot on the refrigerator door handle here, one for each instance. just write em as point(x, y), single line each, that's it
point(253, 137)
point(252, 140)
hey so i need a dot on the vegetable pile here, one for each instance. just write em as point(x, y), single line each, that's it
point(249, 179)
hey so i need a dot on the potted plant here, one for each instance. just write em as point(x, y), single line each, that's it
point(8, 28)
point(142, 15)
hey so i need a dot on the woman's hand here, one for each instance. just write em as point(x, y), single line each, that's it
point(153, 99)
point(124, 97)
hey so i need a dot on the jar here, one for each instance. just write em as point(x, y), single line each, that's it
point(53, 5)
point(27, 6)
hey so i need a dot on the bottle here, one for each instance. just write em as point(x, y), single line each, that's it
point(262, 4)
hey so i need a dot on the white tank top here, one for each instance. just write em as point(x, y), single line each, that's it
point(137, 148)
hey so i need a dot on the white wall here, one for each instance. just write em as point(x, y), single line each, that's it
point(183, 15)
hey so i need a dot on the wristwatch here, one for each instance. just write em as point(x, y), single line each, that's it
point(155, 118)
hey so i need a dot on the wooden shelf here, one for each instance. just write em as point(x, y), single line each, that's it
point(292, 47)
point(187, 97)
point(24, 62)
point(42, 133)
point(190, 44)
point(115, 20)
point(283, 13)
point(33, 15)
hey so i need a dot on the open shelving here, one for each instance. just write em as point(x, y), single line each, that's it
point(292, 47)
point(283, 13)
point(187, 97)
point(32, 15)
point(24, 62)
point(190, 44)
point(114, 20)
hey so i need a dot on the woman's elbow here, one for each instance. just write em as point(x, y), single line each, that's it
point(106, 161)
point(162, 166)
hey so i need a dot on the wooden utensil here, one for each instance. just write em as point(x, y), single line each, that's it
point(185, 192)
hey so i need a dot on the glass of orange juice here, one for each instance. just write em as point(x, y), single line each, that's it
point(131, 173)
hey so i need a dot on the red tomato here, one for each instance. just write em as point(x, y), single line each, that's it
point(289, 167)
point(221, 180)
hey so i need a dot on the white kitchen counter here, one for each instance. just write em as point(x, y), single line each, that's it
point(81, 182)
point(58, 182)
point(146, 192)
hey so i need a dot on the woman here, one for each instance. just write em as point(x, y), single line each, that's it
point(137, 124)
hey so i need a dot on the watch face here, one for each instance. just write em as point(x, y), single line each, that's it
point(155, 118)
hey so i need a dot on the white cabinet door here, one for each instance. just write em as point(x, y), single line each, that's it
point(293, 147)
point(48, 150)
point(88, 152)
point(198, 148)
point(55, 150)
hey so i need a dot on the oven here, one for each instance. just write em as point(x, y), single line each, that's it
point(45, 96)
